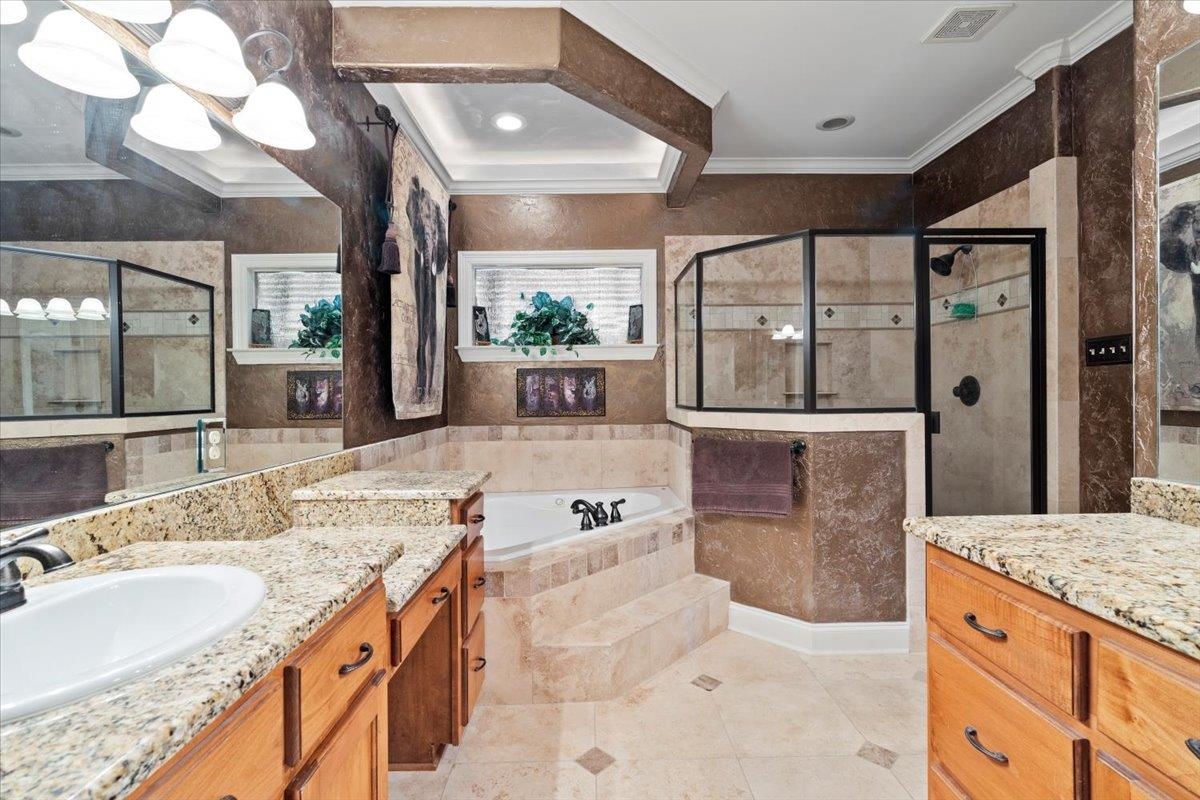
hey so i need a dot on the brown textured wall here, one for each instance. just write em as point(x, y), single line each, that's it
point(1160, 30)
point(1102, 118)
point(840, 556)
point(255, 396)
point(720, 204)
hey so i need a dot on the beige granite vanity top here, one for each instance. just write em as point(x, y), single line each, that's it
point(388, 484)
point(104, 745)
point(1142, 573)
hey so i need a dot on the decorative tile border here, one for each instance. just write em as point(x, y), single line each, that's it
point(1008, 294)
point(554, 433)
point(1177, 502)
point(830, 316)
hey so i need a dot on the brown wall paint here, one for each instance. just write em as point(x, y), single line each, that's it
point(839, 557)
point(720, 204)
point(255, 396)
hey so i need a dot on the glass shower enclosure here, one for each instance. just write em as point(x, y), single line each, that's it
point(86, 337)
point(863, 321)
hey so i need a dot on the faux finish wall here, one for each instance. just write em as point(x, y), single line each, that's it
point(484, 394)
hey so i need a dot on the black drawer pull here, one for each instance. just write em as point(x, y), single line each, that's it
point(366, 650)
point(482, 663)
point(227, 797)
point(475, 519)
point(479, 582)
point(1194, 745)
point(973, 737)
point(442, 596)
point(995, 633)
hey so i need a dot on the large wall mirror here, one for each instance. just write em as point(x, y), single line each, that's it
point(170, 299)
point(1179, 266)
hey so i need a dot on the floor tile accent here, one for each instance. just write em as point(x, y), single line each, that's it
point(595, 761)
point(706, 682)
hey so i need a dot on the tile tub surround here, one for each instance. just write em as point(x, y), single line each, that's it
point(1177, 502)
point(103, 746)
point(384, 497)
point(1136, 571)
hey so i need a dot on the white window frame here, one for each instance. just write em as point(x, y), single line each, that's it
point(470, 261)
point(243, 267)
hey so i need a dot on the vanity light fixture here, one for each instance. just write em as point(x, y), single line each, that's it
point(12, 12)
point(272, 113)
point(146, 12)
point(170, 117)
point(28, 308)
point(59, 309)
point(5, 311)
point(201, 52)
point(72, 52)
point(91, 308)
point(1191, 6)
point(508, 121)
point(788, 331)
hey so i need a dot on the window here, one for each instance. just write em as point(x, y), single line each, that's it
point(611, 281)
point(270, 291)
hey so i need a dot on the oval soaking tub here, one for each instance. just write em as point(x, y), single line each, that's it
point(520, 523)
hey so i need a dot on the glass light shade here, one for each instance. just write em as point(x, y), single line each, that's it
point(5, 311)
point(12, 12)
point(28, 308)
point(273, 115)
point(201, 52)
point(1191, 6)
point(91, 308)
point(173, 119)
point(59, 308)
point(147, 12)
point(75, 54)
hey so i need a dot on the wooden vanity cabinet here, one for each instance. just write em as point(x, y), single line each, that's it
point(313, 729)
point(1031, 697)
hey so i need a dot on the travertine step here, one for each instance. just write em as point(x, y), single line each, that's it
point(606, 656)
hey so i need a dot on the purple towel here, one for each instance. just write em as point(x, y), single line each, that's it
point(738, 477)
point(49, 481)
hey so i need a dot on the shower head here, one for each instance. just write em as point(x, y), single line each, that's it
point(942, 265)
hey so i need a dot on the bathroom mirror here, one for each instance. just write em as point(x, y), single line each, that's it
point(170, 316)
point(1179, 266)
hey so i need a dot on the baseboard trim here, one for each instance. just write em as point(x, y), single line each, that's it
point(817, 638)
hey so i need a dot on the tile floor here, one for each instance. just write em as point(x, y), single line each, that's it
point(738, 719)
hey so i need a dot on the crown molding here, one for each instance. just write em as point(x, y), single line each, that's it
point(806, 166)
point(1178, 157)
point(1008, 96)
point(389, 95)
point(83, 171)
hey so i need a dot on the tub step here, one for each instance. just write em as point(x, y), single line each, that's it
point(606, 656)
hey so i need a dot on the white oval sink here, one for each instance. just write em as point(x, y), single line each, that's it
point(79, 637)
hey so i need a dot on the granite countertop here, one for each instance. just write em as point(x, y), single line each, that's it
point(1139, 572)
point(389, 484)
point(104, 745)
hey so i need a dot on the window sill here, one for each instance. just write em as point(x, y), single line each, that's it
point(281, 355)
point(471, 354)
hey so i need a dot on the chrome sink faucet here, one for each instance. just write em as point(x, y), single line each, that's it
point(30, 545)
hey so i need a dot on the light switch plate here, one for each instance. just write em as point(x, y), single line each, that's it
point(1102, 351)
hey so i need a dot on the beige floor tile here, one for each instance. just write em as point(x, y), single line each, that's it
point(560, 732)
point(821, 778)
point(687, 779)
point(422, 785)
point(662, 722)
point(736, 658)
point(890, 713)
point(563, 780)
point(785, 719)
point(911, 769)
point(880, 667)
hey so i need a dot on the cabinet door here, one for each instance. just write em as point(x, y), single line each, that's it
point(352, 762)
point(1112, 780)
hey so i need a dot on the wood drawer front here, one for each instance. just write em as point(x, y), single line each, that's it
point(474, 580)
point(241, 756)
point(1046, 655)
point(1150, 710)
point(1112, 780)
point(351, 763)
point(942, 786)
point(328, 670)
point(474, 665)
point(469, 512)
point(1041, 759)
point(420, 610)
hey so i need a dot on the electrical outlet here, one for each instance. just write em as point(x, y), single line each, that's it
point(210, 444)
point(1105, 350)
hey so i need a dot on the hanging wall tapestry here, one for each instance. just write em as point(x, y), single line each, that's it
point(420, 215)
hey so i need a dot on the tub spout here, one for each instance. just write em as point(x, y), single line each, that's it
point(588, 511)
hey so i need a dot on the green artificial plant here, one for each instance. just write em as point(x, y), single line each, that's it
point(548, 323)
point(321, 327)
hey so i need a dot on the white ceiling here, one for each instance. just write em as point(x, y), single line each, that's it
point(772, 69)
point(51, 144)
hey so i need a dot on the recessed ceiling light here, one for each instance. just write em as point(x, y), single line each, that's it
point(508, 121)
point(836, 123)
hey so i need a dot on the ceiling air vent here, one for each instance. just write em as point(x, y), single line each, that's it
point(967, 23)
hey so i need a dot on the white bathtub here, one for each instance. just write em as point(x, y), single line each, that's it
point(520, 523)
